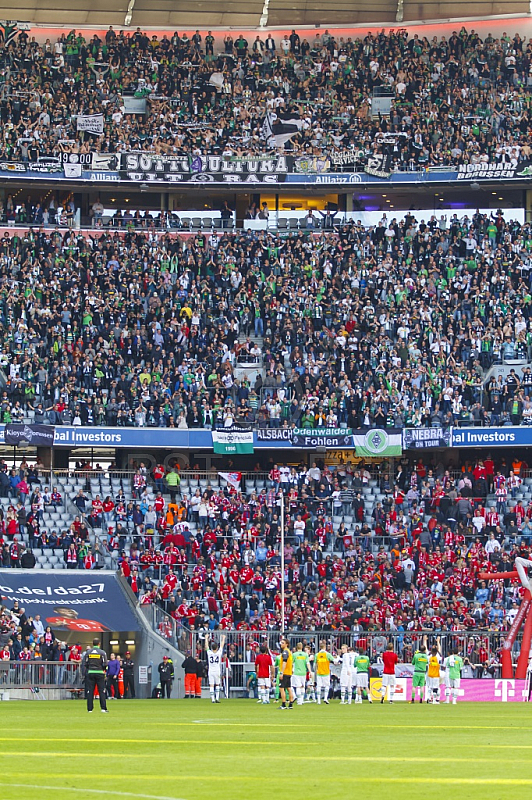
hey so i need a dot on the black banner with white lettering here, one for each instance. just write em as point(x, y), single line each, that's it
point(322, 437)
point(380, 165)
point(426, 438)
point(38, 435)
point(488, 171)
point(154, 168)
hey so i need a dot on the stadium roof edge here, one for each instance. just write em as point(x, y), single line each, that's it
point(272, 28)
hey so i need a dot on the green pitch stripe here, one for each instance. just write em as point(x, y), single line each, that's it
point(358, 759)
point(89, 791)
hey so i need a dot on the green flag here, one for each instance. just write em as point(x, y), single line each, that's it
point(228, 441)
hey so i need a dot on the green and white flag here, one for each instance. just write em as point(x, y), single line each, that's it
point(378, 442)
point(229, 441)
point(9, 29)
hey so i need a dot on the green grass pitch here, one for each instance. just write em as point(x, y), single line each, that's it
point(238, 750)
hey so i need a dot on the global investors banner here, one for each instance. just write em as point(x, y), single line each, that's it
point(378, 442)
point(511, 436)
point(71, 436)
point(232, 441)
point(70, 601)
point(322, 437)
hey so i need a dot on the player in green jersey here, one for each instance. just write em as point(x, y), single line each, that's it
point(421, 663)
point(301, 665)
point(454, 665)
point(362, 676)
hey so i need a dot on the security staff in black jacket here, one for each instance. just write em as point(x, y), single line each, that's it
point(166, 675)
point(129, 675)
point(94, 665)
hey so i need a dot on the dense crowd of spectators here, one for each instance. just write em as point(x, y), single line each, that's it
point(456, 100)
point(414, 567)
point(25, 638)
point(22, 527)
point(211, 557)
point(391, 325)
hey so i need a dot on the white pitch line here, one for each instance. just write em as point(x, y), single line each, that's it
point(90, 791)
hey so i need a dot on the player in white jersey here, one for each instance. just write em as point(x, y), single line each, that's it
point(347, 673)
point(310, 690)
point(214, 661)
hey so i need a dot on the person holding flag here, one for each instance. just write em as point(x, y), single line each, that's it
point(232, 478)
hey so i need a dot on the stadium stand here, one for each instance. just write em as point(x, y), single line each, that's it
point(395, 325)
point(360, 550)
point(457, 100)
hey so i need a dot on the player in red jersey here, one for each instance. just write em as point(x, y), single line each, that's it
point(264, 670)
point(389, 659)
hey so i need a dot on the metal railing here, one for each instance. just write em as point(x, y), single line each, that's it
point(41, 674)
point(240, 644)
point(166, 626)
point(112, 474)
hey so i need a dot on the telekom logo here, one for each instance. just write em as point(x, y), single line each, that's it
point(504, 689)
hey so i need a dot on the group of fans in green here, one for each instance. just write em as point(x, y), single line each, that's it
point(301, 676)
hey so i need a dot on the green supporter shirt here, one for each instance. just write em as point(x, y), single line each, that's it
point(454, 666)
point(362, 663)
point(301, 664)
point(420, 662)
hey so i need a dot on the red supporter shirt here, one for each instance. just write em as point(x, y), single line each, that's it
point(263, 664)
point(389, 659)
